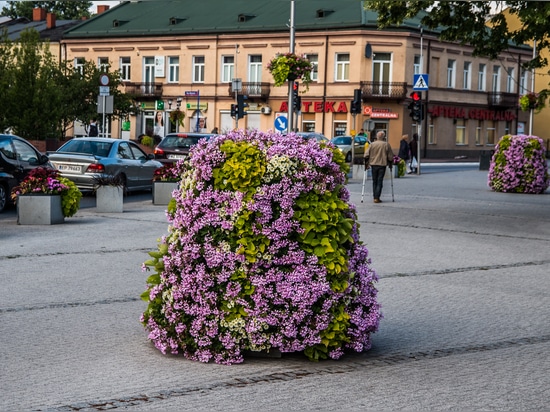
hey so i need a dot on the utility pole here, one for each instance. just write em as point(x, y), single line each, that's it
point(290, 110)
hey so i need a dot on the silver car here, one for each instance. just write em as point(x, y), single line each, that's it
point(344, 144)
point(85, 160)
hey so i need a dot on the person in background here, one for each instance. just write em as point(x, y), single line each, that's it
point(378, 156)
point(93, 131)
point(404, 149)
point(214, 130)
point(414, 153)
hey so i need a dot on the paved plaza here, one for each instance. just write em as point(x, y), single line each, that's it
point(464, 287)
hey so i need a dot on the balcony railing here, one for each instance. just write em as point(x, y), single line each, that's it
point(144, 89)
point(253, 90)
point(384, 90)
point(503, 100)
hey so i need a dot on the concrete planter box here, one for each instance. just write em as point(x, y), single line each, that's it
point(39, 210)
point(162, 192)
point(109, 199)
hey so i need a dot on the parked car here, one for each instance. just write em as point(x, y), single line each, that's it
point(17, 158)
point(314, 135)
point(85, 160)
point(344, 144)
point(176, 146)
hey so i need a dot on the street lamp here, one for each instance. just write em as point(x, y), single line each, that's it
point(178, 102)
point(169, 104)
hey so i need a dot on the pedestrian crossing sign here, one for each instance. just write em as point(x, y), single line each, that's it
point(420, 82)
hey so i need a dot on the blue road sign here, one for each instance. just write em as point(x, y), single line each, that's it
point(281, 123)
point(420, 82)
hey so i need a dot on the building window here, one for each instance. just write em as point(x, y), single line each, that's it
point(495, 87)
point(125, 68)
point(479, 133)
point(381, 72)
point(103, 64)
point(417, 66)
point(342, 67)
point(340, 128)
point(523, 82)
point(228, 67)
point(460, 131)
point(491, 132)
point(481, 77)
point(510, 80)
point(314, 60)
point(431, 132)
point(198, 69)
point(308, 126)
point(451, 76)
point(173, 69)
point(79, 63)
point(467, 81)
point(507, 127)
point(255, 74)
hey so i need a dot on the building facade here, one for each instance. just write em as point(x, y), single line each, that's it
point(174, 58)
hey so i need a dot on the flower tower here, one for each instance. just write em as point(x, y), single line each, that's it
point(262, 253)
point(519, 165)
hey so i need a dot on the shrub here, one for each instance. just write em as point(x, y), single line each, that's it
point(519, 165)
point(262, 252)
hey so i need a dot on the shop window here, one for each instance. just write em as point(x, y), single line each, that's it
point(340, 129)
point(479, 132)
point(491, 132)
point(460, 132)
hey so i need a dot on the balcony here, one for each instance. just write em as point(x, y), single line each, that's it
point(254, 90)
point(143, 89)
point(502, 100)
point(384, 90)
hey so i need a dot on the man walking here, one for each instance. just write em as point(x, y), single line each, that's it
point(378, 155)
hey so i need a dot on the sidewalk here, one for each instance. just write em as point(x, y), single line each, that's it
point(463, 286)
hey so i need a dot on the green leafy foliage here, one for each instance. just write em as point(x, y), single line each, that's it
point(70, 199)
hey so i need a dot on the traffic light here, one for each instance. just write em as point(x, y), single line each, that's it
point(297, 103)
point(415, 107)
point(356, 102)
point(159, 104)
point(241, 105)
point(295, 90)
point(233, 110)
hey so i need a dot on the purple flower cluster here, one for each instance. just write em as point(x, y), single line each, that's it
point(519, 165)
point(40, 181)
point(235, 272)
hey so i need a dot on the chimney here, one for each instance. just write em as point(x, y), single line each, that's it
point(101, 9)
point(50, 21)
point(38, 14)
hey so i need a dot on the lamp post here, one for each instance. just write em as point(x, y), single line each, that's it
point(290, 110)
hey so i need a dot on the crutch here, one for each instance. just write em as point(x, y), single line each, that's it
point(391, 177)
point(363, 190)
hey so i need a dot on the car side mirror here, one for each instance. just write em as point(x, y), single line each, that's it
point(150, 156)
point(44, 159)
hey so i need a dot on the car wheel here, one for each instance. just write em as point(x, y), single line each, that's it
point(3, 197)
point(348, 157)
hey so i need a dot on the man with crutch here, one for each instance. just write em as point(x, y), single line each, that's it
point(378, 156)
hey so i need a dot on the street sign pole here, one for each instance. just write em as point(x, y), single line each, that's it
point(290, 109)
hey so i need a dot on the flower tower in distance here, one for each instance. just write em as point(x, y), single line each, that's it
point(262, 253)
point(519, 165)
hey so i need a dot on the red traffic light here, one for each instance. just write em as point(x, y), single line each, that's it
point(415, 96)
point(295, 86)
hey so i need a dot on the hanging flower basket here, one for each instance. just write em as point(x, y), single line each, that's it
point(531, 101)
point(290, 66)
point(176, 117)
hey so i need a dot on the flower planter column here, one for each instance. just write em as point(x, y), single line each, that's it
point(39, 210)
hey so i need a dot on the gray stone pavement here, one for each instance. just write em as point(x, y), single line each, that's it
point(463, 286)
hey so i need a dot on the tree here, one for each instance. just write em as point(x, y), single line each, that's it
point(65, 10)
point(481, 24)
point(43, 98)
point(472, 26)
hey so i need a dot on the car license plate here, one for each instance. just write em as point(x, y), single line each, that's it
point(69, 168)
point(176, 156)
